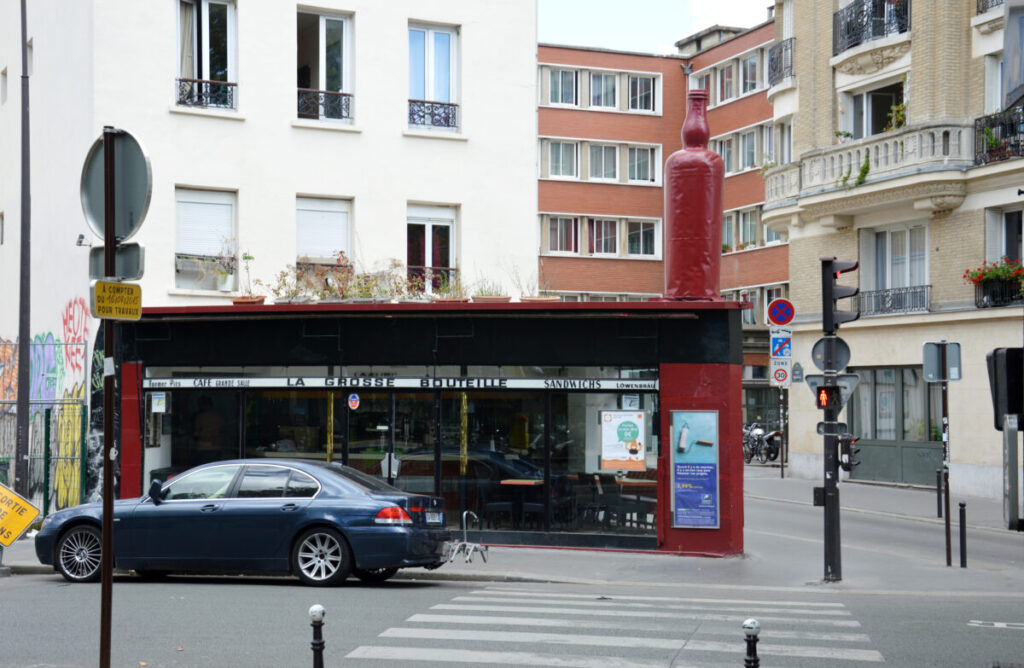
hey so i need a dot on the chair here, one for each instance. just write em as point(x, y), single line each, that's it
point(494, 504)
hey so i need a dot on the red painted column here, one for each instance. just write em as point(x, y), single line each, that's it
point(704, 387)
point(693, 210)
point(131, 430)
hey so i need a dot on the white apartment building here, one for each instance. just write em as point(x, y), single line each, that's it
point(393, 131)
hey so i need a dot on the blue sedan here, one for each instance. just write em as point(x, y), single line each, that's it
point(319, 521)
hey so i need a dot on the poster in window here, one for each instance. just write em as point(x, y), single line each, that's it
point(622, 440)
point(695, 485)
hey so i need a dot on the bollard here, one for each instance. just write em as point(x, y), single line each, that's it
point(750, 629)
point(963, 535)
point(316, 615)
point(938, 493)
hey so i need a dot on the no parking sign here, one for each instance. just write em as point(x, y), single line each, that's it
point(353, 401)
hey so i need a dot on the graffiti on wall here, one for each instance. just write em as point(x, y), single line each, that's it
point(66, 448)
point(46, 368)
point(8, 374)
point(76, 331)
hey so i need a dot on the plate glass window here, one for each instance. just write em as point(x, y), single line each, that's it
point(602, 90)
point(602, 161)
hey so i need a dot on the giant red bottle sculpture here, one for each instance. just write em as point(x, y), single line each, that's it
point(693, 210)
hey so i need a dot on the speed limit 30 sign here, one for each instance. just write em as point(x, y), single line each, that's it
point(780, 371)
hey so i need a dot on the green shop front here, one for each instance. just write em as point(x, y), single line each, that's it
point(538, 424)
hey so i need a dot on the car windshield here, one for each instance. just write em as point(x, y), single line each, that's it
point(358, 477)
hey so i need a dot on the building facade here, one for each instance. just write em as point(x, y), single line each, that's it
point(401, 135)
point(898, 163)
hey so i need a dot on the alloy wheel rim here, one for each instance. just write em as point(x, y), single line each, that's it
point(319, 556)
point(80, 554)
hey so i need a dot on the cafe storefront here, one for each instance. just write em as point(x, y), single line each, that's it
point(539, 425)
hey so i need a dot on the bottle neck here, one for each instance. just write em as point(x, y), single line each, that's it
point(695, 128)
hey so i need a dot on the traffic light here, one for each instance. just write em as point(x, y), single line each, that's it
point(847, 452)
point(831, 316)
point(1006, 382)
point(828, 397)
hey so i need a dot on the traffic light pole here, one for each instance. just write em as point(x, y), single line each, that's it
point(943, 364)
point(833, 556)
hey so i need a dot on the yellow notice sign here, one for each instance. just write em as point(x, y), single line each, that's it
point(15, 515)
point(116, 301)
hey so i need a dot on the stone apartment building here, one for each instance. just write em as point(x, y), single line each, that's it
point(900, 160)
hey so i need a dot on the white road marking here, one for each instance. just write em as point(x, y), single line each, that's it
point(505, 620)
point(670, 599)
point(834, 653)
point(448, 655)
point(650, 606)
point(547, 638)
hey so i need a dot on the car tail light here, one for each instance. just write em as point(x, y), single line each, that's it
point(393, 515)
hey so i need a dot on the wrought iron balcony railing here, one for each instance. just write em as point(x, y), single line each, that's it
point(914, 299)
point(985, 5)
point(780, 61)
point(434, 114)
point(324, 104)
point(866, 20)
point(998, 293)
point(203, 93)
point(999, 136)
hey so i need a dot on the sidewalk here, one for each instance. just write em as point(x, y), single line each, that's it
point(773, 557)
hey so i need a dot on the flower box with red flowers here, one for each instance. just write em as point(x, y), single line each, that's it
point(997, 283)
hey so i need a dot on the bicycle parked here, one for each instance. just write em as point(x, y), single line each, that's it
point(757, 443)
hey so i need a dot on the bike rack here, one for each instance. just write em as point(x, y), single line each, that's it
point(464, 546)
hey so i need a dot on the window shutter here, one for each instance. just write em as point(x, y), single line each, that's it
point(321, 228)
point(993, 235)
point(866, 272)
point(205, 222)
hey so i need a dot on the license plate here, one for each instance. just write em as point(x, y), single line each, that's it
point(433, 517)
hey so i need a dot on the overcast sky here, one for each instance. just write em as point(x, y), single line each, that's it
point(647, 26)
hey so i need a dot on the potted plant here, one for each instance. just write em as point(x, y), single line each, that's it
point(287, 287)
point(488, 291)
point(224, 266)
point(248, 296)
point(996, 283)
point(449, 290)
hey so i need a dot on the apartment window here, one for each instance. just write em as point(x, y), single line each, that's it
point(323, 66)
point(204, 240)
point(728, 237)
point(770, 294)
point(701, 82)
point(641, 93)
point(563, 159)
point(748, 149)
point(430, 244)
point(640, 238)
point(321, 229)
point(563, 235)
point(563, 87)
point(602, 90)
point(750, 314)
point(748, 73)
point(432, 77)
point(871, 112)
point(206, 54)
point(900, 257)
point(725, 91)
point(603, 235)
point(641, 164)
point(784, 146)
point(748, 228)
point(895, 404)
point(768, 143)
point(602, 161)
point(771, 237)
point(724, 149)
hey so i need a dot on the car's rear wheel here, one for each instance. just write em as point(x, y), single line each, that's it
point(321, 557)
point(78, 554)
point(374, 574)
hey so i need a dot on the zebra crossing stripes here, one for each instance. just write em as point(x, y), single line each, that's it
point(522, 626)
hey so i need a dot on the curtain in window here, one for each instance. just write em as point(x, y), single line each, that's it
point(885, 404)
point(900, 260)
point(186, 41)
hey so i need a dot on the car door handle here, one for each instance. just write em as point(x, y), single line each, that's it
point(289, 507)
point(210, 507)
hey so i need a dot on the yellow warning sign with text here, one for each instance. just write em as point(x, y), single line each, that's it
point(15, 515)
point(116, 301)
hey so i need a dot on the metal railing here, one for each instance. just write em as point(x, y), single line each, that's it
point(997, 293)
point(867, 20)
point(433, 114)
point(324, 104)
point(985, 5)
point(203, 93)
point(999, 136)
point(914, 299)
point(780, 61)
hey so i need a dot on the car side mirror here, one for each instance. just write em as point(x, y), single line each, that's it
point(156, 492)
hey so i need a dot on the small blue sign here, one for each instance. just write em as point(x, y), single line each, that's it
point(782, 346)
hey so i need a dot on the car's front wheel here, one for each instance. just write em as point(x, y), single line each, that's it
point(78, 554)
point(321, 557)
point(374, 574)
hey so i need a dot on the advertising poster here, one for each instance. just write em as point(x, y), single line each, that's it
point(695, 469)
point(622, 440)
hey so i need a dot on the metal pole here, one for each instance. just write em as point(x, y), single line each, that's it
point(945, 447)
point(963, 535)
point(25, 280)
point(833, 550)
point(938, 493)
point(107, 558)
point(782, 436)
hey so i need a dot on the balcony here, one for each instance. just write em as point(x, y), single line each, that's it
point(999, 136)
point(433, 114)
point(324, 104)
point(866, 20)
point(203, 93)
point(985, 5)
point(993, 293)
point(914, 299)
point(780, 61)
